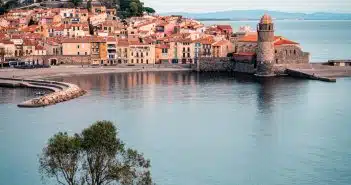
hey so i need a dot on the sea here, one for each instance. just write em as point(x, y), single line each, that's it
point(204, 129)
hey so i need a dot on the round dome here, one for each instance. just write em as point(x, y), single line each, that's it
point(266, 19)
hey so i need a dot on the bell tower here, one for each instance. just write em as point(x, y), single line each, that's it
point(265, 47)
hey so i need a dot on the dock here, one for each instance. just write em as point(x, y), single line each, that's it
point(319, 72)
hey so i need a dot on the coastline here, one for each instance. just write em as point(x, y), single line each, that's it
point(73, 70)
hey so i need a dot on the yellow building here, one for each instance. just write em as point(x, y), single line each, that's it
point(140, 53)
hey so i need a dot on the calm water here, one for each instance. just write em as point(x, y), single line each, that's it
point(196, 129)
point(325, 40)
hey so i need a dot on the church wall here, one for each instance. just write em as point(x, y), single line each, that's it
point(290, 54)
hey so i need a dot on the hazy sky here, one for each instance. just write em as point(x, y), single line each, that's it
point(307, 6)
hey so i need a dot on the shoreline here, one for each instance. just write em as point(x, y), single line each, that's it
point(74, 70)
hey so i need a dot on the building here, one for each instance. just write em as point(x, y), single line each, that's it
point(141, 53)
point(222, 48)
point(76, 46)
point(267, 50)
point(111, 50)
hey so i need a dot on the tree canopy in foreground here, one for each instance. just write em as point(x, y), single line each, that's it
point(94, 157)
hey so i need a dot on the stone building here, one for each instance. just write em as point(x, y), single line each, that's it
point(267, 51)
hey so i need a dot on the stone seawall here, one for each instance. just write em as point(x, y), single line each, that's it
point(223, 65)
point(60, 91)
point(69, 93)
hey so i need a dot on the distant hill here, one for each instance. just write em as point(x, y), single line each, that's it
point(256, 14)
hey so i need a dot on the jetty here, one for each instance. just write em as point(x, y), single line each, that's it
point(59, 91)
point(318, 71)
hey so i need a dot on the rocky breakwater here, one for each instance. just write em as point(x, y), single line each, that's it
point(71, 91)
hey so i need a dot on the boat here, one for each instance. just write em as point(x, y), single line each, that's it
point(39, 93)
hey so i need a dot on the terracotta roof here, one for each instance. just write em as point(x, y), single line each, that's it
point(224, 27)
point(39, 47)
point(206, 40)
point(220, 43)
point(252, 37)
point(6, 41)
point(266, 19)
point(84, 39)
point(283, 41)
point(122, 42)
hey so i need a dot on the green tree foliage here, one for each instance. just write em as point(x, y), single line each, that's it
point(94, 157)
point(130, 8)
point(76, 2)
point(149, 10)
point(8, 5)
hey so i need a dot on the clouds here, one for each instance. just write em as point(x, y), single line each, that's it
point(219, 5)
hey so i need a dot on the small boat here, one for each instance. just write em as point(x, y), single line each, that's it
point(39, 93)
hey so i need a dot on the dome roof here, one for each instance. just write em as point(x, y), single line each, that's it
point(266, 19)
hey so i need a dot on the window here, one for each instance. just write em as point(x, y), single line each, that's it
point(147, 61)
point(105, 28)
point(188, 49)
point(78, 53)
point(183, 55)
point(147, 53)
point(142, 54)
point(132, 61)
point(286, 52)
point(65, 14)
point(276, 61)
point(183, 49)
point(78, 46)
point(142, 60)
point(131, 53)
point(275, 51)
point(188, 55)
point(294, 52)
point(86, 53)
point(137, 61)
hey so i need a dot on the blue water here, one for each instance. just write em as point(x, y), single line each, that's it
point(197, 129)
point(325, 40)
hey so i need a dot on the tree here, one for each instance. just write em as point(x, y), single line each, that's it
point(60, 159)
point(94, 157)
point(149, 10)
point(76, 2)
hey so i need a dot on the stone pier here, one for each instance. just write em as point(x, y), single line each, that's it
point(60, 91)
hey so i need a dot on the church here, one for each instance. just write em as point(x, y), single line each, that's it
point(267, 51)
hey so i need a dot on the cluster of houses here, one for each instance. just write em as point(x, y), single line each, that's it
point(98, 37)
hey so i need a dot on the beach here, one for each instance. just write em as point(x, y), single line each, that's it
point(71, 70)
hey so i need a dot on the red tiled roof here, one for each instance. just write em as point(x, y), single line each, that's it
point(220, 43)
point(122, 42)
point(6, 41)
point(39, 47)
point(283, 41)
point(224, 27)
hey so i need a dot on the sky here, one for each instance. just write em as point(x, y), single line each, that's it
point(305, 6)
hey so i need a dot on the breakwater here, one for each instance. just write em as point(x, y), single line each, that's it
point(60, 91)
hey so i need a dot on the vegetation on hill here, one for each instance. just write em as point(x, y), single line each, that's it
point(96, 156)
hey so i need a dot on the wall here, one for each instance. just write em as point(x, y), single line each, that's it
point(290, 54)
point(222, 65)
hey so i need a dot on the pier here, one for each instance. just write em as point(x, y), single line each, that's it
point(316, 71)
point(60, 91)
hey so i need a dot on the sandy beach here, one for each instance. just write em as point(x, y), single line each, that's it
point(57, 71)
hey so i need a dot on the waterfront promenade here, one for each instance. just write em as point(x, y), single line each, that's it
point(71, 70)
